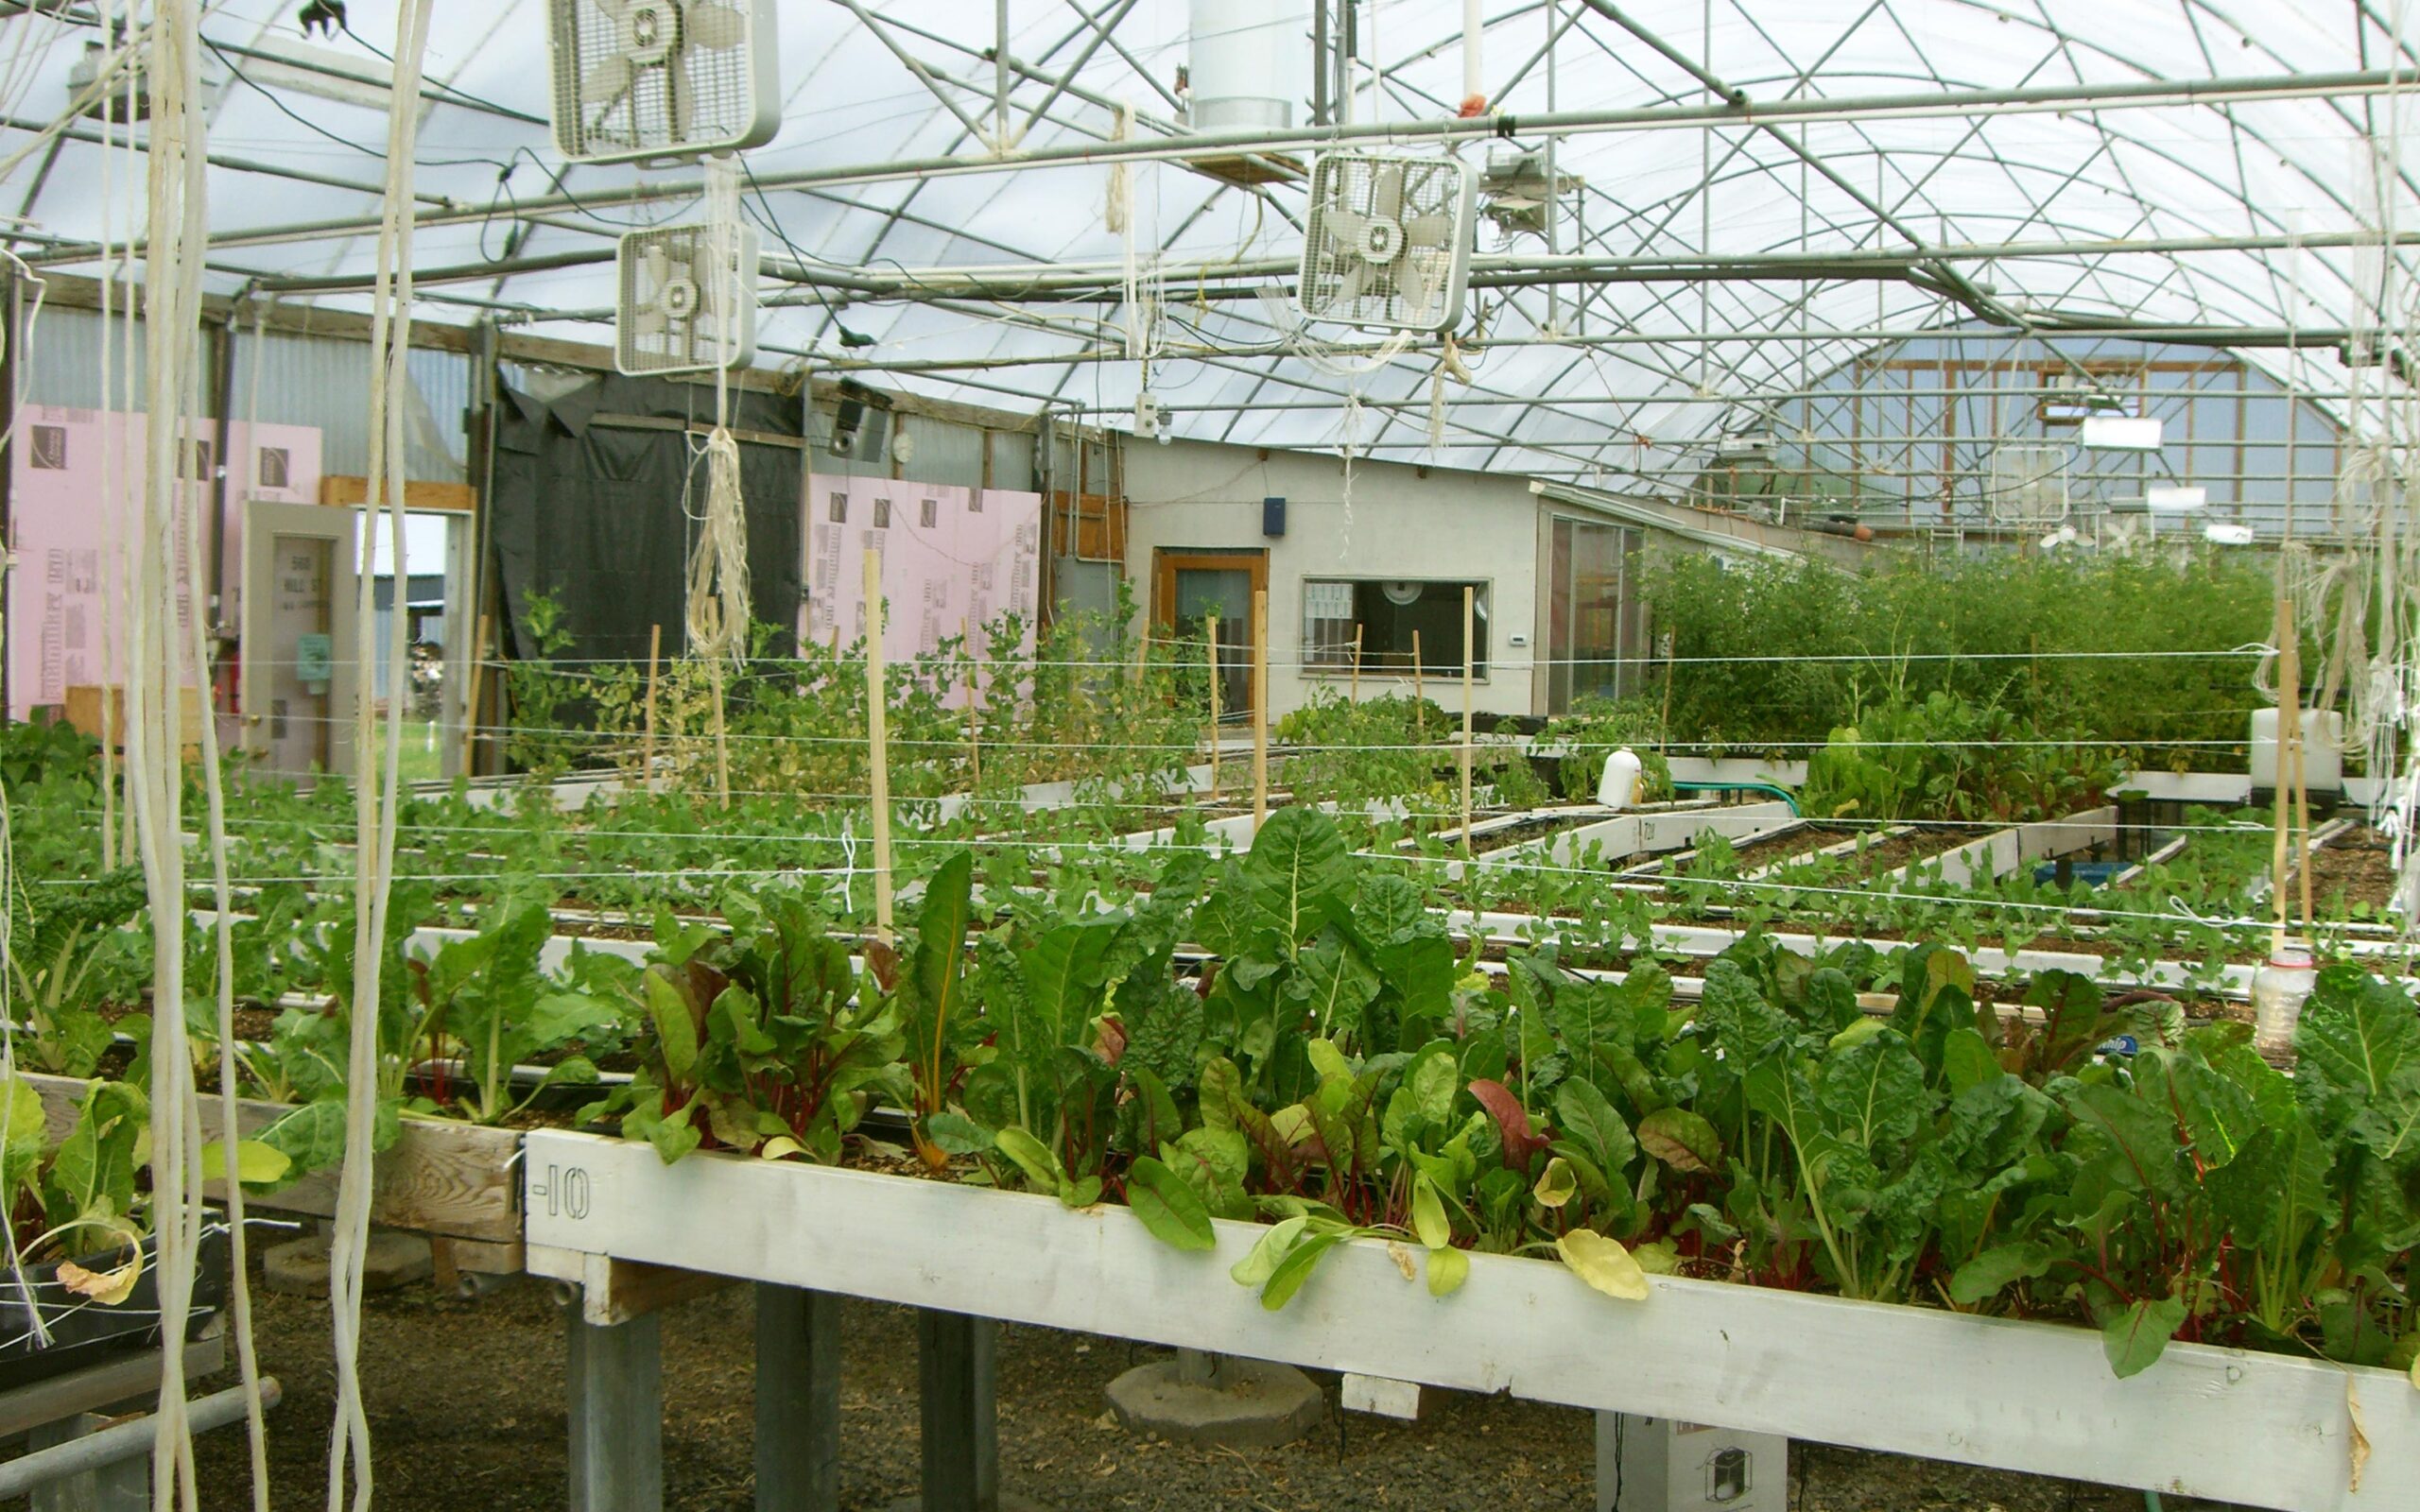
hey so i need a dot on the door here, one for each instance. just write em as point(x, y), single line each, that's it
point(297, 656)
point(1190, 586)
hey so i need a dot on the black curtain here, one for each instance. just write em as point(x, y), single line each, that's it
point(592, 512)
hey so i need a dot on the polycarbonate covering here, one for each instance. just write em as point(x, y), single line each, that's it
point(2186, 217)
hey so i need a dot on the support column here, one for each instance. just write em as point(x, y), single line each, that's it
point(615, 1375)
point(798, 1400)
point(961, 1426)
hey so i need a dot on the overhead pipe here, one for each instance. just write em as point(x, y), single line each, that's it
point(1474, 83)
point(2137, 95)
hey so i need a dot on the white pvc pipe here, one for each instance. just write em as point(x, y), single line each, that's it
point(1473, 29)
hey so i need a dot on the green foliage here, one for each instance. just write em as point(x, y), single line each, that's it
point(1593, 731)
point(1944, 758)
point(1776, 655)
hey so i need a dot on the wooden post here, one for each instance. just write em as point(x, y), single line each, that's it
point(2289, 711)
point(1213, 705)
point(878, 745)
point(470, 703)
point(1259, 707)
point(647, 765)
point(723, 742)
point(961, 1413)
point(1356, 662)
point(974, 722)
point(1470, 600)
point(616, 1379)
point(1419, 699)
point(798, 1398)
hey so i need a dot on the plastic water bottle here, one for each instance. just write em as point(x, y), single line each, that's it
point(2279, 990)
point(1619, 787)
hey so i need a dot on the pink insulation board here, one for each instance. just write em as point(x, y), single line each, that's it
point(951, 556)
point(63, 617)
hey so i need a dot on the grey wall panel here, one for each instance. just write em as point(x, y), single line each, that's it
point(318, 381)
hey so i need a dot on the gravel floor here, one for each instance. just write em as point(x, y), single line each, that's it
point(466, 1403)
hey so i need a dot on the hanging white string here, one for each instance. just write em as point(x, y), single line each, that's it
point(375, 790)
point(172, 302)
point(717, 610)
point(222, 894)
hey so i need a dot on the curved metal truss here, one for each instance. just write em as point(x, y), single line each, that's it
point(1765, 192)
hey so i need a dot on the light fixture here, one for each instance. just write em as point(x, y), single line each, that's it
point(2227, 535)
point(2174, 500)
point(2120, 433)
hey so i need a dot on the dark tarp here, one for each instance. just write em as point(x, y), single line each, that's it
point(591, 512)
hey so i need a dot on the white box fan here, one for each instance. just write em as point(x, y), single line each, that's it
point(669, 318)
point(640, 79)
point(1389, 240)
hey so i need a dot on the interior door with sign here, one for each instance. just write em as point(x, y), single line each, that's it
point(297, 658)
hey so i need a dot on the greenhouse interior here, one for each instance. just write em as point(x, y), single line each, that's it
point(1264, 754)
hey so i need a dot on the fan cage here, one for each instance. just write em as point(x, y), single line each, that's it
point(730, 101)
point(706, 340)
point(2028, 485)
point(1344, 187)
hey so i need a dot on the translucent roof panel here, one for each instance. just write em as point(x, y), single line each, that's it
point(1905, 165)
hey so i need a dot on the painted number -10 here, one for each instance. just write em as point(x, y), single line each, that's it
point(566, 1191)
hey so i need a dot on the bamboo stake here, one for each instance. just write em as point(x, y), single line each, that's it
point(1259, 707)
point(1356, 662)
point(974, 726)
point(1470, 599)
point(878, 745)
point(1419, 699)
point(1213, 705)
point(654, 651)
point(471, 702)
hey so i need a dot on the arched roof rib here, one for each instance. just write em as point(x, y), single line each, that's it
point(2220, 188)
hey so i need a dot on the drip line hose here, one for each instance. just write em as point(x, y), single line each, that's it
point(1775, 789)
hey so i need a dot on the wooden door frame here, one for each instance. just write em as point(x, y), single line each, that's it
point(1166, 561)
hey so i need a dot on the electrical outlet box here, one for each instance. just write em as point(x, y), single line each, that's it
point(1657, 1465)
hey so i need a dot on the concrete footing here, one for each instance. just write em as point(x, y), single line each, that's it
point(300, 1267)
point(1217, 1399)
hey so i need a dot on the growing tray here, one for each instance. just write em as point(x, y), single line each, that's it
point(84, 1333)
point(2262, 1430)
point(451, 1180)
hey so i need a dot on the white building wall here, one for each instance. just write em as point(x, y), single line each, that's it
point(1195, 495)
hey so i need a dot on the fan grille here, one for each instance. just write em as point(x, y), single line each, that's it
point(637, 79)
point(1387, 243)
point(670, 318)
point(2028, 485)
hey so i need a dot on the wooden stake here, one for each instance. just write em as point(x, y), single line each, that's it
point(1470, 601)
point(2288, 709)
point(471, 702)
point(2302, 803)
point(1259, 707)
point(974, 726)
point(1356, 662)
point(878, 745)
point(1419, 699)
point(654, 651)
point(722, 744)
point(1213, 705)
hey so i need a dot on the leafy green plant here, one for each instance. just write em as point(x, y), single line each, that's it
point(61, 942)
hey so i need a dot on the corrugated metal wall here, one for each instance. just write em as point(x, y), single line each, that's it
point(318, 381)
